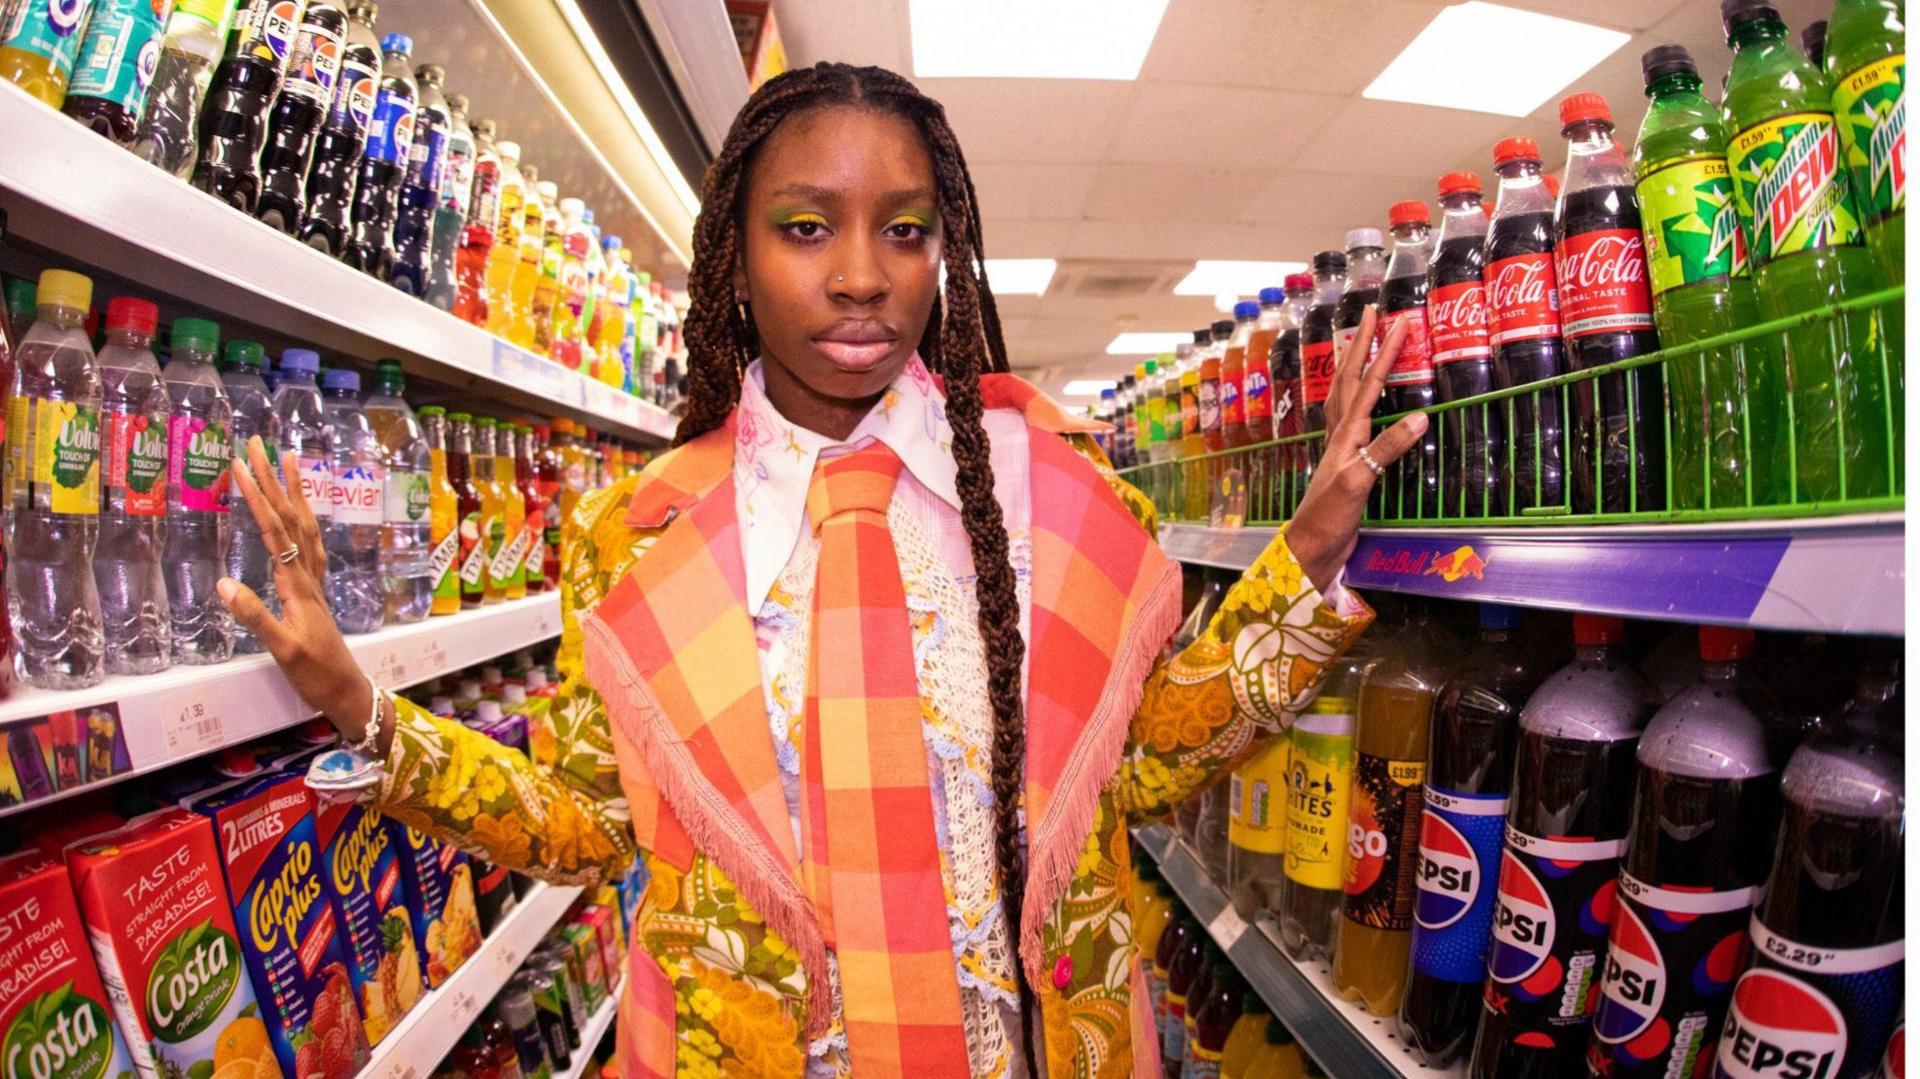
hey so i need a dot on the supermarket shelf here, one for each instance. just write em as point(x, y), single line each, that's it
point(135, 221)
point(1346, 1041)
point(1818, 575)
point(184, 712)
point(590, 1038)
point(422, 1039)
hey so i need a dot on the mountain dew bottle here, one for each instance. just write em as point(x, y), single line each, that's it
point(1808, 252)
point(1728, 405)
point(1867, 65)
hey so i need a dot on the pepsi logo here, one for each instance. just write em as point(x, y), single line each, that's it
point(1449, 874)
point(278, 27)
point(1523, 923)
point(1635, 980)
point(1779, 1027)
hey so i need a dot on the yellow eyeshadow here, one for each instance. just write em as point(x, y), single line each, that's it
point(798, 217)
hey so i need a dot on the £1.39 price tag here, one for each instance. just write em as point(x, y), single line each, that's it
point(192, 727)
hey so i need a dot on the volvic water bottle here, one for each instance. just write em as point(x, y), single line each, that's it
point(248, 560)
point(133, 512)
point(303, 429)
point(406, 552)
point(352, 533)
point(199, 460)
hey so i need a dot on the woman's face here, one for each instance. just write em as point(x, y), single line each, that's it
point(842, 259)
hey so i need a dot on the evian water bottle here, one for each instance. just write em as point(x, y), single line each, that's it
point(199, 459)
point(352, 533)
point(303, 429)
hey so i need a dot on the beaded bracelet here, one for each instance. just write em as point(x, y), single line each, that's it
point(369, 744)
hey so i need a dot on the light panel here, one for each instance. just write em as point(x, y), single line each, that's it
point(1032, 39)
point(1020, 277)
point(1087, 387)
point(1484, 57)
point(1147, 344)
point(1222, 277)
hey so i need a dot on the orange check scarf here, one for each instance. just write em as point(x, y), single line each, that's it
point(869, 854)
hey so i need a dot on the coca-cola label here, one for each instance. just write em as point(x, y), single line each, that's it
point(1523, 298)
point(1786, 175)
point(1316, 371)
point(1691, 223)
point(1414, 365)
point(1457, 322)
point(1603, 283)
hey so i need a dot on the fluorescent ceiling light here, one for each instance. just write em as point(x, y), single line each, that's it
point(1029, 39)
point(1020, 277)
point(1147, 344)
point(1087, 387)
point(1220, 277)
point(1487, 58)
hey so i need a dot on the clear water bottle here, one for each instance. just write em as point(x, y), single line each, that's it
point(406, 551)
point(136, 625)
point(353, 530)
point(303, 429)
point(196, 33)
point(53, 483)
point(199, 473)
point(248, 560)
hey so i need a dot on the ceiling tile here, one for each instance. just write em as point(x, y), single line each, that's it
point(1152, 238)
point(1026, 238)
point(1167, 122)
point(1013, 190)
point(1031, 120)
point(1384, 138)
point(1324, 46)
point(1171, 192)
point(849, 31)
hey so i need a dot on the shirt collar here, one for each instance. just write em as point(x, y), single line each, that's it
point(773, 463)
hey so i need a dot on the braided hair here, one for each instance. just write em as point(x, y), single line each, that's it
point(962, 341)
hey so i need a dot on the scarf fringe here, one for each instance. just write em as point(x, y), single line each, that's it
point(1054, 846)
point(710, 822)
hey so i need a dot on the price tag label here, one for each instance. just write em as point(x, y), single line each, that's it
point(194, 727)
point(390, 666)
point(1226, 928)
point(432, 659)
point(543, 624)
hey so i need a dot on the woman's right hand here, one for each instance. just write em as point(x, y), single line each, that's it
point(303, 640)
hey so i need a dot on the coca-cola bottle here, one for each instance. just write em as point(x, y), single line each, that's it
point(1316, 351)
point(1283, 369)
point(1523, 321)
point(1606, 316)
point(1366, 272)
point(1413, 483)
point(312, 74)
point(343, 136)
point(1476, 444)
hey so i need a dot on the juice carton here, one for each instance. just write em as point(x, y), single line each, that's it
point(360, 854)
point(289, 930)
point(54, 1022)
point(446, 922)
point(600, 919)
point(579, 936)
point(169, 955)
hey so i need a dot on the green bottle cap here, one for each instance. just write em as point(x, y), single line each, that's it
point(199, 333)
point(20, 294)
point(484, 421)
point(433, 410)
point(244, 354)
point(388, 377)
point(459, 417)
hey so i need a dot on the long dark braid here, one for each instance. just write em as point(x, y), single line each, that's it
point(962, 341)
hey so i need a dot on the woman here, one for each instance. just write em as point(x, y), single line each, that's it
point(867, 668)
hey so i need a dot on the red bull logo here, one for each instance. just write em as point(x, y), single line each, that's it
point(1634, 983)
point(1449, 874)
point(1781, 1028)
point(1461, 562)
point(1523, 925)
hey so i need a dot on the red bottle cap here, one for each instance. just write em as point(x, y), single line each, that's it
point(1453, 183)
point(1298, 281)
point(1722, 644)
point(1591, 629)
point(1518, 148)
point(132, 313)
point(1585, 106)
point(1410, 212)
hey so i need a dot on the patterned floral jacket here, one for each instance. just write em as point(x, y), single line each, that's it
point(725, 959)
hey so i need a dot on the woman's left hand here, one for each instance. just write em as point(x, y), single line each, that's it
point(1323, 532)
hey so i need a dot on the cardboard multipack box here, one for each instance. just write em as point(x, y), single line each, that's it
point(360, 854)
point(55, 1019)
point(446, 921)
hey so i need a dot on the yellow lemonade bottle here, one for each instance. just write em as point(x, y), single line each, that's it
point(443, 509)
point(526, 270)
point(504, 257)
point(493, 525)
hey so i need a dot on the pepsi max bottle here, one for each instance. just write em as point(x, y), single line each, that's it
point(1823, 991)
point(312, 72)
point(389, 141)
point(1566, 830)
point(1412, 487)
point(1469, 770)
point(343, 136)
point(234, 125)
point(1523, 320)
point(1316, 350)
point(1706, 802)
point(420, 190)
point(1473, 468)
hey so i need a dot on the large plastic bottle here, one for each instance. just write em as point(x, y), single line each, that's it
point(168, 135)
point(111, 75)
point(450, 212)
point(1366, 271)
point(1259, 390)
point(570, 297)
point(313, 73)
point(1523, 321)
point(1474, 465)
point(303, 429)
point(1383, 825)
point(53, 483)
point(199, 467)
point(1257, 829)
point(1866, 63)
point(1319, 793)
point(233, 126)
point(509, 565)
point(406, 540)
point(135, 625)
point(1403, 298)
point(1285, 365)
point(1233, 375)
point(38, 43)
point(248, 559)
point(503, 257)
point(353, 533)
point(615, 312)
point(1808, 252)
point(421, 183)
point(376, 192)
point(477, 235)
point(1317, 357)
point(527, 271)
point(343, 134)
point(444, 515)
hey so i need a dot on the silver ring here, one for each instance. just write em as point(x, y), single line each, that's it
point(1367, 459)
point(287, 556)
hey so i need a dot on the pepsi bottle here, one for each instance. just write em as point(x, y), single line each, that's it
point(1523, 321)
point(1706, 802)
point(1473, 466)
point(420, 190)
point(233, 127)
point(1412, 487)
point(1566, 830)
point(1469, 770)
point(312, 73)
point(1823, 991)
point(343, 135)
point(389, 142)
point(1316, 351)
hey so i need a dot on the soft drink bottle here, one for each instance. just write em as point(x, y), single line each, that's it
point(1104, 411)
point(1149, 415)
point(1233, 376)
point(1210, 1019)
point(545, 302)
point(1259, 388)
point(199, 471)
point(1474, 462)
point(1172, 370)
point(53, 469)
point(1403, 298)
point(478, 233)
point(1823, 988)
point(1285, 363)
point(1319, 794)
point(443, 507)
point(493, 508)
point(1469, 768)
point(1706, 801)
point(343, 135)
point(369, 246)
point(1206, 377)
point(406, 524)
point(353, 532)
point(1813, 39)
point(1523, 320)
point(1808, 252)
point(110, 77)
point(38, 43)
point(135, 624)
point(525, 474)
point(1181, 931)
point(509, 564)
point(1866, 63)
point(420, 187)
point(516, 1008)
point(1383, 823)
point(1728, 407)
point(1162, 419)
point(167, 134)
point(503, 258)
point(20, 311)
point(470, 563)
point(1257, 830)
point(1279, 1056)
point(592, 312)
point(570, 286)
point(1366, 271)
point(313, 74)
point(233, 126)
point(456, 200)
point(549, 475)
point(1156, 906)
point(1183, 976)
point(614, 310)
point(1249, 1033)
point(1566, 830)
point(304, 434)
point(248, 559)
